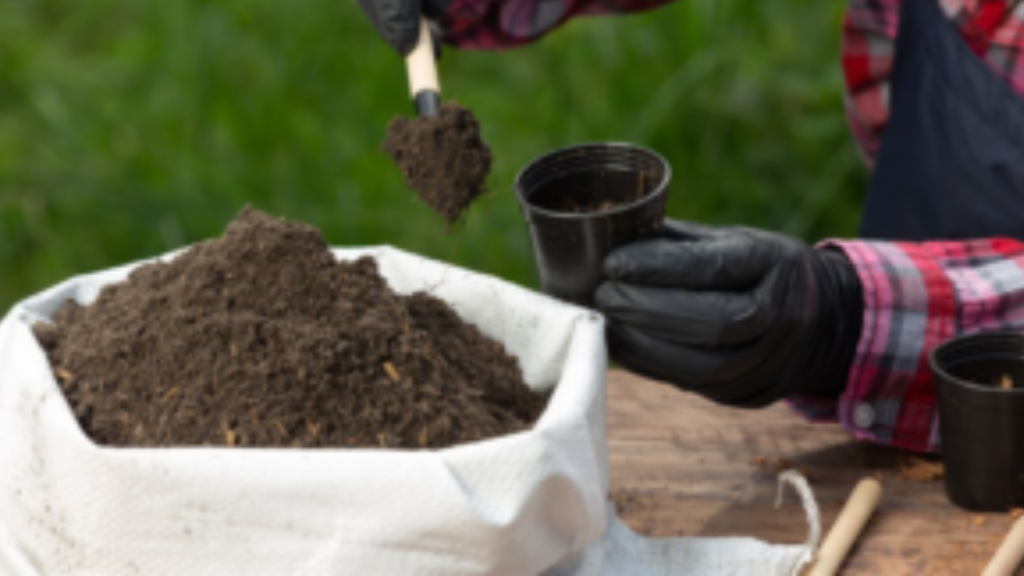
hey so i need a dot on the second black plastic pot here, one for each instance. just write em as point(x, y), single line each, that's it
point(584, 201)
point(982, 425)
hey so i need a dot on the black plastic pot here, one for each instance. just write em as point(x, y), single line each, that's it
point(582, 202)
point(982, 425)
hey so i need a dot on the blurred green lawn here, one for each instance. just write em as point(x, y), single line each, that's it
point(131, 128)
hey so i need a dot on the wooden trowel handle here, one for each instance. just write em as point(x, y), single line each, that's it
point(423, 82)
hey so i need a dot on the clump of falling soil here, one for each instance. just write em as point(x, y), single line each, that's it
point(442, 158)
point(262, 338)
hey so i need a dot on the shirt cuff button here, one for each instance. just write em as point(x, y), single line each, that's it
point(863, 415)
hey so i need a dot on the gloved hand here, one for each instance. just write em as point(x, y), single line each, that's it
point(741, 316)
point(398, 21)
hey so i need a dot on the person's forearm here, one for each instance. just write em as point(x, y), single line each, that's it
point(501, 24)
point(915, 297)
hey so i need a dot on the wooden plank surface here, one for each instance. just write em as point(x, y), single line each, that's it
point(681, 465)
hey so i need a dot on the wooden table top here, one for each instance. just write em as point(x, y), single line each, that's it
point(685, 466)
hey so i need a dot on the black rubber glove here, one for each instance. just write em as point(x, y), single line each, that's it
point(741, 316)
point(398, 21)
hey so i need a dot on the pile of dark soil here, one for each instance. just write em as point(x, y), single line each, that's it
point(262, 338)
point(442, 158)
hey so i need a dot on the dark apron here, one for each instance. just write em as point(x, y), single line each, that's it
point(951, 164)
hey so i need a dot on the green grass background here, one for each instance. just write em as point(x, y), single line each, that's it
point(128, 128)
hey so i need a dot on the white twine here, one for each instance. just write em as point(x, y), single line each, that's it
point(810, 506)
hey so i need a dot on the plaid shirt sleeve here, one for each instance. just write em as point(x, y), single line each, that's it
point(915, 297)
point(499, 24)
point(988, 27)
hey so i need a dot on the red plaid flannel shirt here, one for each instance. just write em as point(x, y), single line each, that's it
point(916, 295)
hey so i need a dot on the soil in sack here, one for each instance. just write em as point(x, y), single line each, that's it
point(262, 338)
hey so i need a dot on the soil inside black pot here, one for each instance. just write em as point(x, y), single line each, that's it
point(596, 192)
point(995, 373)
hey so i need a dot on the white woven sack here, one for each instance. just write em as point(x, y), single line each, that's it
point(528, 503)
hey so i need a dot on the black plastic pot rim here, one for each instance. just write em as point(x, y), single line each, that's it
point(665, 179)
point(938, 370)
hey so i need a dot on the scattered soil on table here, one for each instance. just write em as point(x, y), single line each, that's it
point(442, 158)
point(262, 338)
point(632, 502)
point(647, 511)
point(920, 469)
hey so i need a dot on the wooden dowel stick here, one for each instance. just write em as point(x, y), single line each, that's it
point(421, 65)
point(1007, 558)
point(847, 527)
